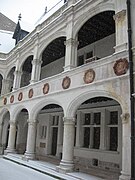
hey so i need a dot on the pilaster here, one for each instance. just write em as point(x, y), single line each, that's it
point(17, 79)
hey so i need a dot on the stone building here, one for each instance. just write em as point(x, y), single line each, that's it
point(65, 89)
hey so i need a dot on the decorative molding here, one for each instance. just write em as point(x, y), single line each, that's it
point(66, 82)
point(20, 96)
point(89, 76)
point(120, 16)
point(5, 101)
point(46, 88)
point(30, 94)
point(120, 67)
point(12, 99)
point(125, 118)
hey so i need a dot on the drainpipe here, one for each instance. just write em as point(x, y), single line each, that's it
point(131, 75)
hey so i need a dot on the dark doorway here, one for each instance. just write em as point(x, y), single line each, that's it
point(54, 140)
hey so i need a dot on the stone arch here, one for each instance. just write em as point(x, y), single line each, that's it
point(8, 71)
point(3, 112)
point(70, 112)
point(92, 12)
point(34, 112)
point(45, 43)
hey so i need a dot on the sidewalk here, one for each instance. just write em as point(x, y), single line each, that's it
point(48, 168)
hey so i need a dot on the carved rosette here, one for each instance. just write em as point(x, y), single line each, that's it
point(20, 96)
point(12, 99)
point(46, 88)
point(89, 76)
point(66, 82)
point(120, 67)
point(30, 94)
point(5, 101)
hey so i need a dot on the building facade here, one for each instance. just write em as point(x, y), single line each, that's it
point(65, 90)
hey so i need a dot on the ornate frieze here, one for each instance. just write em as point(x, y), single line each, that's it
point(46, 88)
point(5, 101)
point(66, 82)
point(30, 94)
point(20, 96)
point(120, 67)
point(12, 99)
point(89, 76)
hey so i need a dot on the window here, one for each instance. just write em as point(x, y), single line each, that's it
point(43, 130)
point(80, 60)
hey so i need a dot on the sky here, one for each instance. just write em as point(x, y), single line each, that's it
point(31, 10)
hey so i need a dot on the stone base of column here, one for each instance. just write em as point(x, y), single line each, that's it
point(69, 67)
point(124, 176)
point(65, 167)
point(28, 155)
point(120, 47)
point(8, 150)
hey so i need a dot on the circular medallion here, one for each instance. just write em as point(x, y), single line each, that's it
point(20, 96)
point(66, 82)
point(12, 99)
point(120, 67)
point(5, 101)
point(89, 76)
point(46, 88)
point(30, 93)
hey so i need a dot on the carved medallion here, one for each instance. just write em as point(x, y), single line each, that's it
point(30, 95)
point(46, 88)
point(66, 82)
point(12, 99)
point(5, 101)
point(20, 96)
point(89, 76)
point(120, 67)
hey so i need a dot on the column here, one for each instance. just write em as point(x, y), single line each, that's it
point(121, 25)
point(17, 79)
point(36, 70)
point(1, 148)
point(31, 139)
point(126, 148)
point(60, 136)
point(5, 86)
point(11, 140)
point(66, 164)
point(71, 54)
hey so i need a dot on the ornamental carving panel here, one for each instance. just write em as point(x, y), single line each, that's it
point(121, 67)
point(5, 101)
point(89, 76)
point(46, 88)
point(66, 82)
point(12, 99)
point(30, 95)
point(20, 96)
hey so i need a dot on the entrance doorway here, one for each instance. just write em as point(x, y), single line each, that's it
point(54, 140)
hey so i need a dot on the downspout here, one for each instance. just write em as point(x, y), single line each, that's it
point(131, 76)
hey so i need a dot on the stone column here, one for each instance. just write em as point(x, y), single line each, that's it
point(1, 127)
point(121, 25)
point(60, 135)
point(71, 54)
point(17, 79)
point(36, 70)
point(31, 139)
point(126, 148)
point(11, 140)
point(66, 164)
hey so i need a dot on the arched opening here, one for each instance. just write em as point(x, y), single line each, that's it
point(5, 130)
point(22, 130)
point(98, 137)
point(53, 58)
point(50, 132)
point(10, 80)
point(26, 71)
point(1, 78)
point(96, 38)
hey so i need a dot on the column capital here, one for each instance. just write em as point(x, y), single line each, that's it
point(71, 41)
point(120, 16)
point(12, 123)
point(32, 122)
point(17, 72)
point(69, 120)
point(125, 118)
point(36, 62)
